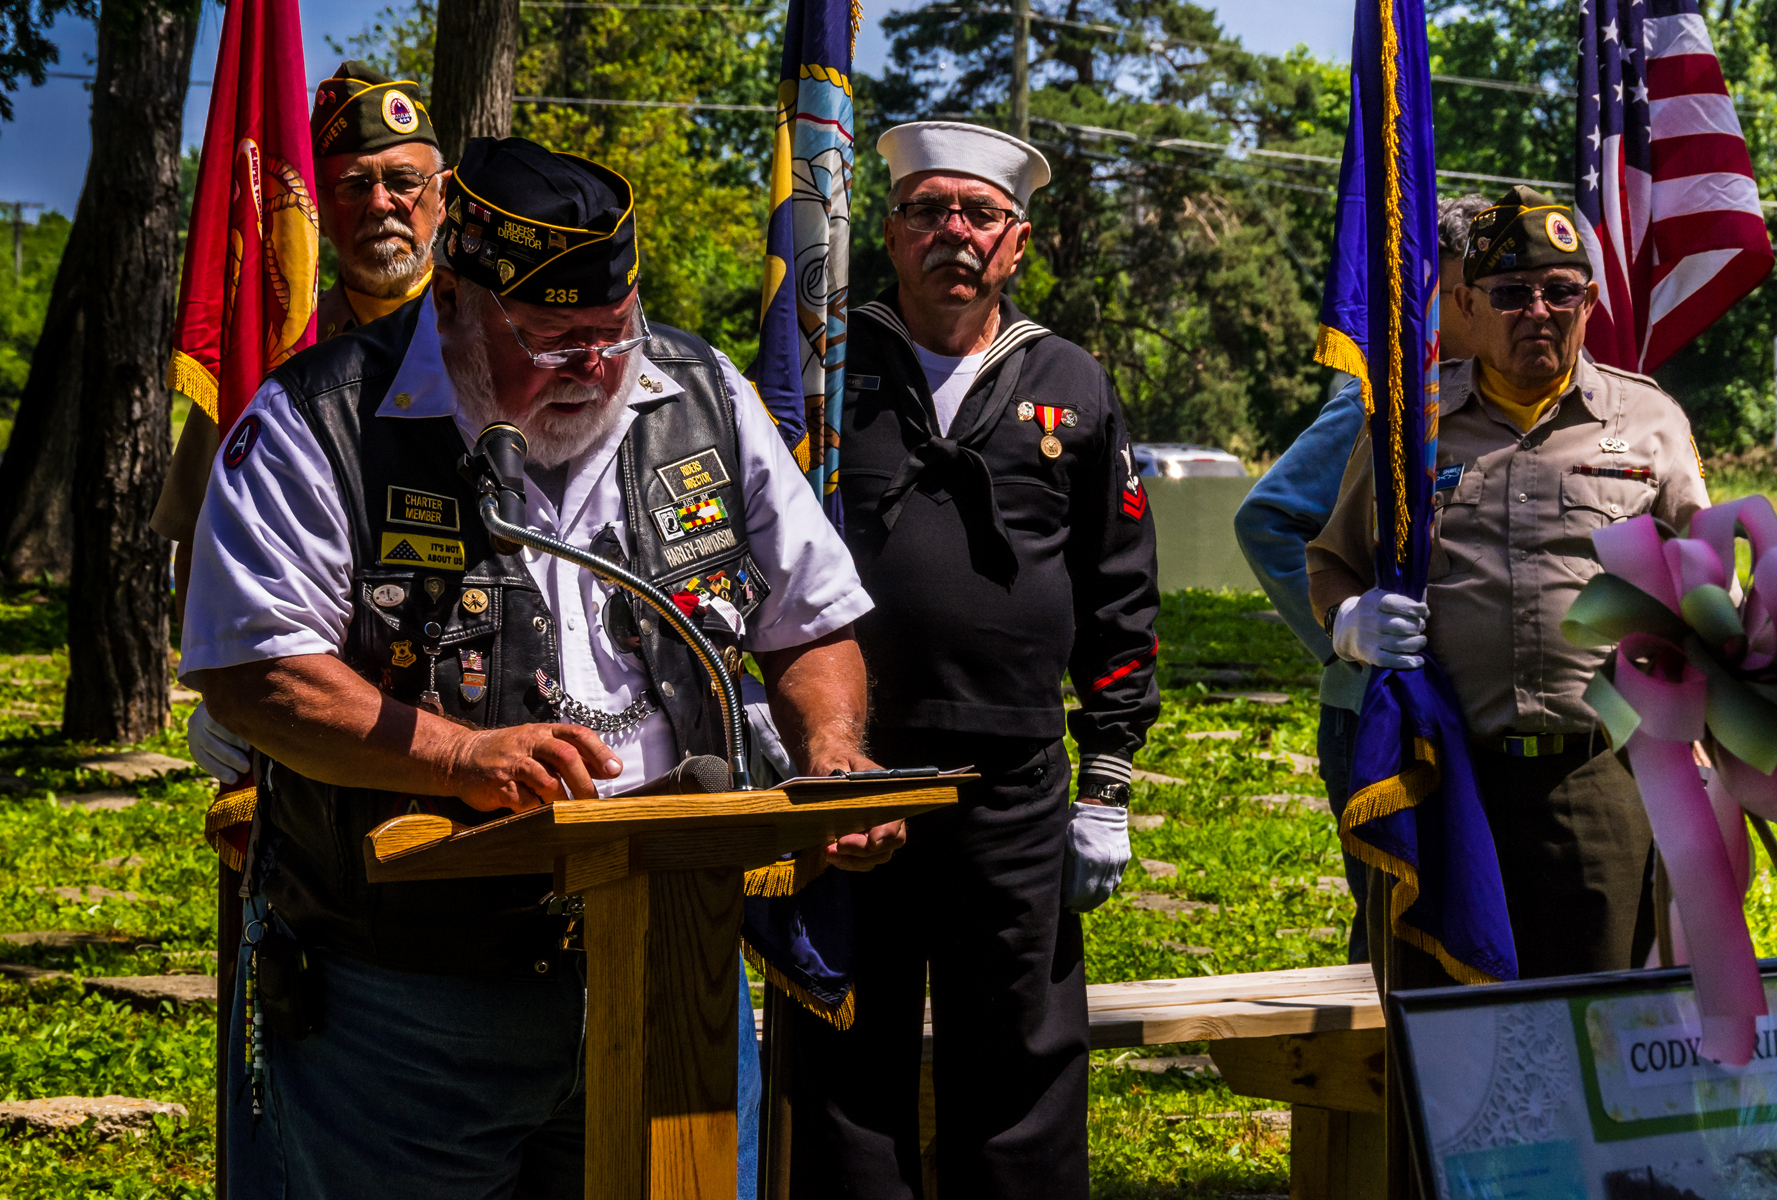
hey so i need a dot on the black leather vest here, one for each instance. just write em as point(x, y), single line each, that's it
point(436, 610)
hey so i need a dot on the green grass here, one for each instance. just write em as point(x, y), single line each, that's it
point(1153, 1137)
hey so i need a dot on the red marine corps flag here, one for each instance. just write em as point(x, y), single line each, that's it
point(247, 297)
point(1669, 209)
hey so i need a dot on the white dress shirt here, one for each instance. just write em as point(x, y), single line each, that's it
point(271, 570)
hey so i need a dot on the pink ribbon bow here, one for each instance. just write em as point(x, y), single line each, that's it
point(1689, 691)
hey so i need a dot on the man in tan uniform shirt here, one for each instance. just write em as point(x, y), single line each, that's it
point(381, 200)
point(1537, 448)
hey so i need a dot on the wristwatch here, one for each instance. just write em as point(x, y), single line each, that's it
point(1332, 615)
point(1105, 791)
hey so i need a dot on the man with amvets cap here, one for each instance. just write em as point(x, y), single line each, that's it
point(1537, 447)
point(381, 181)
point(351, 620)
point(996, 518)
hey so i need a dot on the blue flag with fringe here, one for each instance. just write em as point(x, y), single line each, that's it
point(800, 371)
point(797, 931)
point(1415, 810)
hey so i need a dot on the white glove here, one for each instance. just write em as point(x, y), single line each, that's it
point(1384, 629)
point(1097, 852)
point(216, 750)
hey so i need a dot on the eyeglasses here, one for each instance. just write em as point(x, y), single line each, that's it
point(930, 218)
point(550, 359)
point(404, 186)
point(1513, 297)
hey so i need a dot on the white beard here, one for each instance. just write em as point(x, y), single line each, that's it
point(386, 270)
point(553, 438)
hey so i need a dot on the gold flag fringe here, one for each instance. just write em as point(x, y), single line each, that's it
point(785, 877)
point(840, 1018)
point(229, 809)
point(189, 377)
point(1384, 798)
point(1335, 349)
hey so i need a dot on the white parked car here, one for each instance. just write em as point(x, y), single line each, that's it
point(1174, 460)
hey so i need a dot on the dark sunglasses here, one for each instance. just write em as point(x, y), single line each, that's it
point(1514, 297)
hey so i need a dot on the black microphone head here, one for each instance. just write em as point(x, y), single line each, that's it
point(702, 773)
point(502, 447)
point(505, 446)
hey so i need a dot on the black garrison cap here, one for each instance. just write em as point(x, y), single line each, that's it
point(540, 226)
point(1522, 231)
point(361, 110)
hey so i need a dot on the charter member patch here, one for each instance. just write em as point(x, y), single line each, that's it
point(418, 550)
point(410, 506)
point(699, 472)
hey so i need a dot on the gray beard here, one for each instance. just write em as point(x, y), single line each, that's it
point(386, 271)
point(553, 438)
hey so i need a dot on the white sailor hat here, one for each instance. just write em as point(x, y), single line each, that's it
point(959, 149)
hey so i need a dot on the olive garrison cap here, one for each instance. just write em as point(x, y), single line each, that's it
point(540, 226)
point(1522, 231)
point(360, 110)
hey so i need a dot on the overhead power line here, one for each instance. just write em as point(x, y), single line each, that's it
point(692, 105)
point(1236, 152)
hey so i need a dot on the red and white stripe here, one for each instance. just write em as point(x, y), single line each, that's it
point(1681, 245)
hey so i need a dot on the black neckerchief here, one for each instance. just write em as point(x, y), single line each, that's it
point(953, 462)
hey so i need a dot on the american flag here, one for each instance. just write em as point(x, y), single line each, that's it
point(1669, 210)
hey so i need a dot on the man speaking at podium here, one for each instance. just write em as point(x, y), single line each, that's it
point(349, 618)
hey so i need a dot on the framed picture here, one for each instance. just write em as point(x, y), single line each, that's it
point(1586, 1087)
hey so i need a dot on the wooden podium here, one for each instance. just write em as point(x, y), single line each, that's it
point(660, 877)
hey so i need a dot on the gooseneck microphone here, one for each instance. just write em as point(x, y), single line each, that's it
point(496, 470)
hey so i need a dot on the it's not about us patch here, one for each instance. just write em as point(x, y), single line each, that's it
point(410, 506)
point(418, 550)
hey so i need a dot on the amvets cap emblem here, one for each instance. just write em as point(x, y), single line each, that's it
point(1561, 234)
point(399, 113)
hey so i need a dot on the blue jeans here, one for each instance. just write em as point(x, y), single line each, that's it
point(1335, 745)
point(431, 1088)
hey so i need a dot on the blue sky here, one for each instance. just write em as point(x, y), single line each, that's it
point(43, 151)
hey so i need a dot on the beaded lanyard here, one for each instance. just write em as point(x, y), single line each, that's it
point(254, 1034)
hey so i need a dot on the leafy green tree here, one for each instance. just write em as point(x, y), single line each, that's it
point(1193, 276)
point(23, 300)
point(25, 48)
point(698, 174)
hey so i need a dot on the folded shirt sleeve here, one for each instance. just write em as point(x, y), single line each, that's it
point(271, 564)
point(815, 589)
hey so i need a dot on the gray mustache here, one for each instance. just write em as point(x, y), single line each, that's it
point(943, 256)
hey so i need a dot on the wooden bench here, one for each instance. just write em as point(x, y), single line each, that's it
point(1311, 1038)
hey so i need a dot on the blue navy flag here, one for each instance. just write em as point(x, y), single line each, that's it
point(797, 931)
point(800, 371)
point(1415, 810)
point(1667, 204)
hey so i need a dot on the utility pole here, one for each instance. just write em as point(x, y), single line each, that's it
point(18, 208)
point(1021, 69)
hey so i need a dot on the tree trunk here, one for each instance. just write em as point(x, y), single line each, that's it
point(119, 600)
point(475, 51)
point(37, 486)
